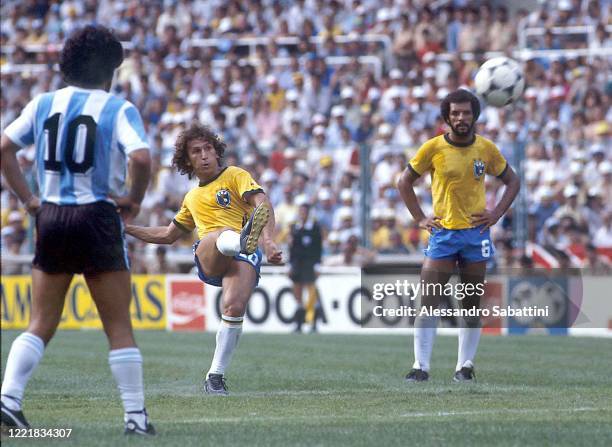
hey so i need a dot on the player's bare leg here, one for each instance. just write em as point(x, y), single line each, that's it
point(212, 261)
point(238, 284)
point(48, 295)
point(469, 327)
point(112, 293)
point(434, 272)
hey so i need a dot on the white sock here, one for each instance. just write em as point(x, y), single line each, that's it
point(227, 340)
point(228, 243)
point(25, 355)
point(425, 328)
point(467, 346)
point(126, 366)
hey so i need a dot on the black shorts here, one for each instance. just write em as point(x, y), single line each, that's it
point(302, 272)
point(79, 239)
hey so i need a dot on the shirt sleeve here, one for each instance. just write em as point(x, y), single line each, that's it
point(421, 162)
point(184, 219)
point(21, 131)
point(497, 163)
point(245, 184)
point(130, 129)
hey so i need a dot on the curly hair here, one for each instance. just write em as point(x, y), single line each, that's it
point(180, 159)
point(456, 97)
point(90, 56)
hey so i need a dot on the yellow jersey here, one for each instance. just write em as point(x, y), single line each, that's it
point(457, 176)
point(218, 203)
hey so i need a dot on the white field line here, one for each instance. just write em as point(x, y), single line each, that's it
point(503, 411)
point(193, 391)
point(253, 417)
point(405, 390)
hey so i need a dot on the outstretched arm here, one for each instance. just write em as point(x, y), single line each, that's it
point(155, 235)
point(272, 251)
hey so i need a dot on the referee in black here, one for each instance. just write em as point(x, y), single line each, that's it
point(304, 254)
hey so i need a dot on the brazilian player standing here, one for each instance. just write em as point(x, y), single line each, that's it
point(459, 228)
point(227, 253)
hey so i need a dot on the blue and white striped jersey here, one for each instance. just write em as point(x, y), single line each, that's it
point(82, 138)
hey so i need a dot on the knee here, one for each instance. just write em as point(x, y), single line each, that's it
point(234, 309)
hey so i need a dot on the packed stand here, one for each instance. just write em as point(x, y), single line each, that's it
point(301, 116)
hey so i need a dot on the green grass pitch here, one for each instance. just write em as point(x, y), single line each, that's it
point(329, 390)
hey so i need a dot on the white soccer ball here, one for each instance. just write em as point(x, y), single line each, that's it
point(500, 81)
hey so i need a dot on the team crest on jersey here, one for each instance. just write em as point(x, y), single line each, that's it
point(223, 198)
point(479, 169)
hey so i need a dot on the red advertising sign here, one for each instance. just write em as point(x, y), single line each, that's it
point(186, 305)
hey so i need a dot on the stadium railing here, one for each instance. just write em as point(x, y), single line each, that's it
point(527, 53)
point(252, 42)
point(584, 33)
point(373, 61)
point(249, 43)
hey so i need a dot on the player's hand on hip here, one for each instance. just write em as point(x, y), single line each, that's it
point(273, 253)
point(126, 207)
point(429, 223)
point(486, 219)
point(129, 213)
point(32, 205)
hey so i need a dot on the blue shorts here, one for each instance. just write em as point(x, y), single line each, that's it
point(254, 260)
point(468, 245)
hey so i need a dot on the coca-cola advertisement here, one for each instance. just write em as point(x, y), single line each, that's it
point(186, 304)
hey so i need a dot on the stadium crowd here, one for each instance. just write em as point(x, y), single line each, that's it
point(301, 116)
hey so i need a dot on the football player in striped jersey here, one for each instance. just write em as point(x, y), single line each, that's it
point(84, 137)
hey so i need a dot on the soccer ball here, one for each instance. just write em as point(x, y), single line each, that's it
point(500, 81)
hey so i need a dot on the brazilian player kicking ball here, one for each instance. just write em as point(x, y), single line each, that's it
point(459, 229)
point(227, 253)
